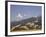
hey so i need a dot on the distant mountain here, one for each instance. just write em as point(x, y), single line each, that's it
point(22, 22)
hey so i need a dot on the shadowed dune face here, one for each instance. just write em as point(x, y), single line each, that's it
point(26, 25)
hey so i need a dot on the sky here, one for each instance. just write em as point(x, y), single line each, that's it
point(21, 12)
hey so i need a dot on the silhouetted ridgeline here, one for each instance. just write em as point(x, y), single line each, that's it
point(23, 22)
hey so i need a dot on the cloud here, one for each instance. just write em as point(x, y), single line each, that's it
point(19, 17)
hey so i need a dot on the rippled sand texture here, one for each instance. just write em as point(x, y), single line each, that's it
point(27, 27)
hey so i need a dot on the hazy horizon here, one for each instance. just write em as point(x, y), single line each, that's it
point(21, 12)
